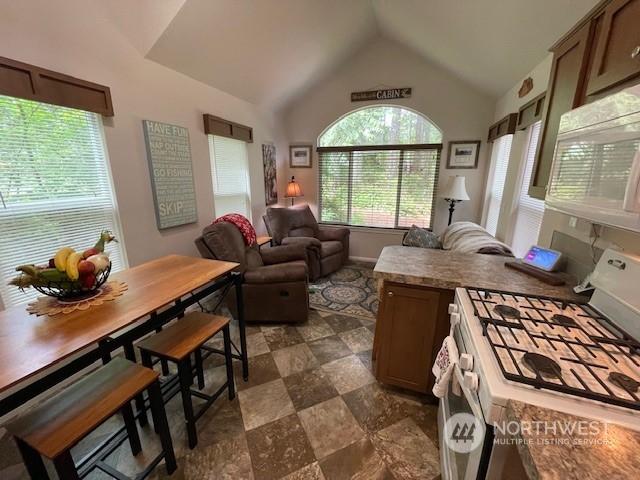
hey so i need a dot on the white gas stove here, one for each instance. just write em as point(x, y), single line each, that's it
point(583, 359)
point(579, 358)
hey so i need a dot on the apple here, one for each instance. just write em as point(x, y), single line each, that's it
point(85, 267)
point(88, 281)
point(90, 251)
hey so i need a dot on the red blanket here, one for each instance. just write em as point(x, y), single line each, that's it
point(243, 224)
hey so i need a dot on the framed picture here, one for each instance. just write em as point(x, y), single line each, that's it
point(269, 165)
point(463, 154)
point(300, 156)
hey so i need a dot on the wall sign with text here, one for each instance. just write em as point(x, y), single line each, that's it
point(169, 155)
point(386, 94)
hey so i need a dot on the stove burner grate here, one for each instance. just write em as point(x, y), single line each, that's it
point(564, 320)
point(593, 333)
point(624, 381)
point(507, 312)
point(542, 365)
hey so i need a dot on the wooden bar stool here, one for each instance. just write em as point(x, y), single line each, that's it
point(176, 343)
point(58, 424)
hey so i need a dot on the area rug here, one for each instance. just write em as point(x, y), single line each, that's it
point(349, 291)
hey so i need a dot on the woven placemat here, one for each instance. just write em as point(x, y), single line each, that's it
point(54, 306)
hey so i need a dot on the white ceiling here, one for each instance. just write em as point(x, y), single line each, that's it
point(270, 51)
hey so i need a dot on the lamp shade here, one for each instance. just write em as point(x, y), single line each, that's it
point(293, 189)
point(455, 189)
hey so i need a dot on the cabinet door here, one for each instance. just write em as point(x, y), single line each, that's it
point(564, 93)
point(407, 329)
point(617, 53)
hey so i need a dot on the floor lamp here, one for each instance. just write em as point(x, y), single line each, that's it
point(454, 192)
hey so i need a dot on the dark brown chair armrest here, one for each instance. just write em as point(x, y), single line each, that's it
point(281, 273)
point(308, 242)
point(325, 234)
point(283, 253)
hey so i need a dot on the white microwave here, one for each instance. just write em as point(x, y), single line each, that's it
point(596, 167)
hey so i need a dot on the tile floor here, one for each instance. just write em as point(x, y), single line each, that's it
point(311, 410)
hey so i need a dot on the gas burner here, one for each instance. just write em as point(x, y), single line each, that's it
point(563, 320)
point(507, 312)
point(624, 381)
point(541, 365)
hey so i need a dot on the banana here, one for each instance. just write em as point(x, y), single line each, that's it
point(60, 260)
point(72, 265)
point(30, 270)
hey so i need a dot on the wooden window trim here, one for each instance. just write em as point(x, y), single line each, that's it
point(225, 128)
point(531, 112)
point(22, 80)
point(504, 126)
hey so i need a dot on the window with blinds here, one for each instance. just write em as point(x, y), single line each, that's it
point(529, 210)
point(388, 188)
point(230, 170)
point(55, 187)
point(500, 162)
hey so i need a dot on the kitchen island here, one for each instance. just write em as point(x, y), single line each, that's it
point(415, 287)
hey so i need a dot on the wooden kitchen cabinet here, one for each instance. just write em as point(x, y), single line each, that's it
point(564, 92)
point(597, 57)
point(617, 47)
point(412, 322)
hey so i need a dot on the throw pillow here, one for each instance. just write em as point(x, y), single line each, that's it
point(421, 237)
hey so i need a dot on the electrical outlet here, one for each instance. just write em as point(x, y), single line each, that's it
point(573, 222)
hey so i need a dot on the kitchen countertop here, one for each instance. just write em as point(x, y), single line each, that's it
point(449, 270)
point(617, 459)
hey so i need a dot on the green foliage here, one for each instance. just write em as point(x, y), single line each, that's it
point(380, 125)
point(41, 146)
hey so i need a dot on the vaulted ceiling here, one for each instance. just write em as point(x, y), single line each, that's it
point(270, 51)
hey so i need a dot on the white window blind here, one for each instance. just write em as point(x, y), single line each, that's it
point(230, 170)
point(500, 161)
point(529, 210)
point(55, 188)
point(378, 188)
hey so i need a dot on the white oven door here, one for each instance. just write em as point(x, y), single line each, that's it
point(456, 464)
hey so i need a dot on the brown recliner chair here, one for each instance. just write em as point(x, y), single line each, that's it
point(327, 248)
point(275, 280)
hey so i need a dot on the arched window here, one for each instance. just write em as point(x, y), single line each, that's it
point(378, 167)
point(380, 125)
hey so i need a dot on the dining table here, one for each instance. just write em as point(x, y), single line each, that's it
point(39, 351)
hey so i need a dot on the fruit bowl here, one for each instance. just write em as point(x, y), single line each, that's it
point(72, 291)
point(69, 275)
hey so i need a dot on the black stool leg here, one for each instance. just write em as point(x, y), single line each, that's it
point(163, 362)
point(228, 361)
point(199, 368)
point(130, 354)
point(32, 461)
point(185, 374)
point(65, 467)
point(241, 325)
point(162, 426)
point(146, 360)
point(132, 430)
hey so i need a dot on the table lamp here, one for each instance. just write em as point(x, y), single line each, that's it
point(454, 192)
point(293, 190)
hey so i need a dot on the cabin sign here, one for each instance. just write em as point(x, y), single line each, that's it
point(386, 94)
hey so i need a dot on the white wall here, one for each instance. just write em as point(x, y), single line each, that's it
point(73, 37)
point(459, 110)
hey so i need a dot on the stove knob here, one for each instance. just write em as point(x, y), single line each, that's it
point(454, 319)
point(453, 308)
point(466, 361)
point(470, 380)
